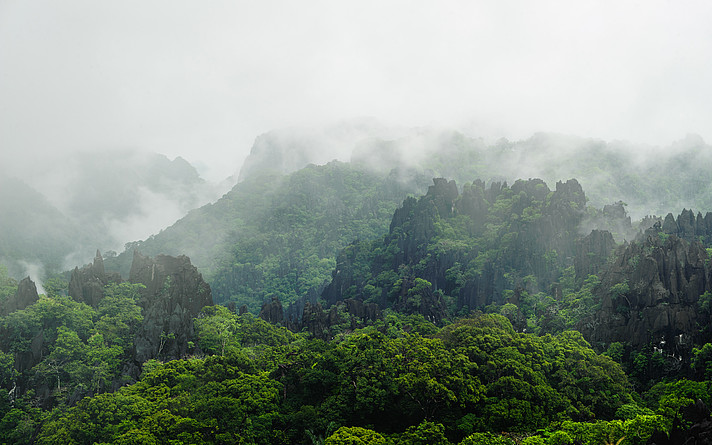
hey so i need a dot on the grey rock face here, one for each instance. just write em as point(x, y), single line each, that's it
point(272, 312)
point(26, 295)
point(592, 252)
point(86, 285)
point(649, 295)
point(175, 293)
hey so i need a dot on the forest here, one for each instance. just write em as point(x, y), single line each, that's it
point(340, 304)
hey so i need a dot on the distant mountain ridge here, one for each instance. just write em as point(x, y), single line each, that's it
point(617, 176)
point(650, 180)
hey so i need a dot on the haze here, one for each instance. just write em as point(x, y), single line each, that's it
point(202, 80)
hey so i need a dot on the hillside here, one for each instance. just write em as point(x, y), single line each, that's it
point(276, 235)
point(395, 305)
point(453, 321)
point(273, 177)
point(648, 178)
point(34, 234)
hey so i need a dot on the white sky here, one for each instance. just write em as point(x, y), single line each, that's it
point(202, 79)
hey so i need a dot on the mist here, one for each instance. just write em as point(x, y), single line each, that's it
point(36, 273)
point(202, 81)
point(90, 88)
point(57, 213)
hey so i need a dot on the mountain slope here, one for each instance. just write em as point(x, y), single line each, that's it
point(276, 236)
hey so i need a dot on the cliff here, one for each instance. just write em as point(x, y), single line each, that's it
point(174, 294)
point(86, 285)
point(26, 295)
point(649, 295)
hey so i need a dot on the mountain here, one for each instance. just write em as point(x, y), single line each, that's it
point(242, 241)
point(276, 236)
point(61, 210)
point(421, 311)
point(649, 179)
point(287, 150)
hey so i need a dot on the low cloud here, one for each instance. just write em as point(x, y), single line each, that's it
point(36, 272)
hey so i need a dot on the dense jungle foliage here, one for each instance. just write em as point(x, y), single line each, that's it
point(276, 235)
point(482, 294)
point(401, 380)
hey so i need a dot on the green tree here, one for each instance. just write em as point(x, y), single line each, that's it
point(118, 314)
point(8, 285)
point(702, 361)
point(216, 327)
point(486, 439)
point(355, 436)
point(426, 433)
point(66, 365)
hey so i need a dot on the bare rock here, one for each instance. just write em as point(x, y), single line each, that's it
point(25, 295)
point(273, 311)
point(86, 285)
point(174, 294)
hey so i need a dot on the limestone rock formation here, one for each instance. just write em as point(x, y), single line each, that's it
point(272, 311)
point(174, 294)
point(349, 314)
point(363, 311)
point(554, 233)
point(649, 295)
point(699, 433)
point(25, 295)
point(317, 321)
point(416, 218)
point(86, 285)
point(689, 226)
point(526, 229)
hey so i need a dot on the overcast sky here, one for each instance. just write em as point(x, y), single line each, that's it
point(202, 79)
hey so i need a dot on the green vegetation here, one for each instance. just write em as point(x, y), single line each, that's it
point(499, 249)
point(481, 297)
point(58, 350)
point(277, 236)
point(268, 385)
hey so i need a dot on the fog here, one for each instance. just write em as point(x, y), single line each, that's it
point(82, 81)
point(202, 80)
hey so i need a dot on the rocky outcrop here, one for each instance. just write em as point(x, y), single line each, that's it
point(592, 252)
point(700, 433)
point(474, 204)
point(538, 243)
point(272, 311)
point(317, 321)
point(86, 285)
point(25, 295)
point(495, 237)
point(349, 314)
point(366, 312)
point(174, 294)
point(649, 295)
point(413, 224)
point(614, 218)
point(689, 226)
point(416, 296)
